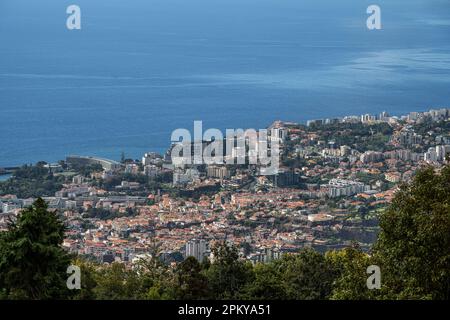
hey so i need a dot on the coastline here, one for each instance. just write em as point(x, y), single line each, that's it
point(159, 150)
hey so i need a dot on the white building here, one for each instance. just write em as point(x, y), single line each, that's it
point(151, 158)
point(341, 187)
point(437, 153)
point(196, 248)
point(371, 156)
point(186, 176)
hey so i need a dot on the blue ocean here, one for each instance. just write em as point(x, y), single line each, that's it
point(138, 69)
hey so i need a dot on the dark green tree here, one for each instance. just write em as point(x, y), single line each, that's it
point(191, 282)
point(413, 247)
point(228, 274)
point(268, 283)
point(33, 263)
point(89, 274)
point(350, 268)
point(306, 275)
point(115, 282)
point(157, 278)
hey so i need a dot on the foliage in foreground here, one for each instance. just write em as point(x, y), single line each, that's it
point(413, 252)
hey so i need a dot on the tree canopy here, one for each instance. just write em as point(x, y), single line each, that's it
point(33, 263)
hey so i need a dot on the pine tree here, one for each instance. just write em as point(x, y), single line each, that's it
point(33, 263)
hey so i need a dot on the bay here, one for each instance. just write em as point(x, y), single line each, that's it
point(139, 69)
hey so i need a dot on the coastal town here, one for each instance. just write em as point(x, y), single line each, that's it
point(334, 179)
